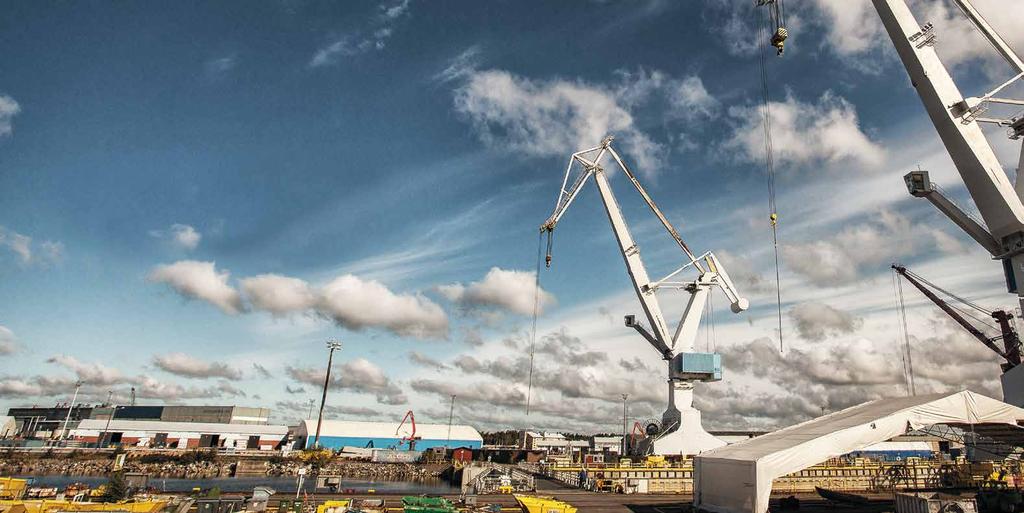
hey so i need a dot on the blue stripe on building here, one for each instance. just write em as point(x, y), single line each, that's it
point(337, 442)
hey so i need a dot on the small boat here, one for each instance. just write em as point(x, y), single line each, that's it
point(841, 497)
point(540, 504)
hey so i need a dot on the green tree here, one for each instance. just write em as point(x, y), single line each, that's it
point(117, 488)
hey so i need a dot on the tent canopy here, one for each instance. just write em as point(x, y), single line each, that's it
point(738, 478)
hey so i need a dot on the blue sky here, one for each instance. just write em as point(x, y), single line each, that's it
point(193, 198)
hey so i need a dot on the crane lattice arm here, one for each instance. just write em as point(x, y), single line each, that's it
point(1011, 350)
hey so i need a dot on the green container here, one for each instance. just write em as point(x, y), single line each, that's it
point(427, 505)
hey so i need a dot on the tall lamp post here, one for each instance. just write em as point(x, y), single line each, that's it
point(74, 399)
point(451, 413)
point(331, 346)
point(624, 424)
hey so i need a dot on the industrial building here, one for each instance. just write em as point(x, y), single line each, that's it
point(551, 443)
point(610, 444)
point(335, 434)
point(47, 422)
point(158, 433)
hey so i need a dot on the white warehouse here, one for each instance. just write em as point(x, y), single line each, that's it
point(155, 433)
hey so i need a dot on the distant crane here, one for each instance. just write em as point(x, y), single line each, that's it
point(1011, 347)
point(683, 433)
point(958, 123)
point(411, 439)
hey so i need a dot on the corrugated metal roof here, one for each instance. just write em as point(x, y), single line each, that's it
point(355, 429)
point(190, 427)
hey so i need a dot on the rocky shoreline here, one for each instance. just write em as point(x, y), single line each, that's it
point(212, 469)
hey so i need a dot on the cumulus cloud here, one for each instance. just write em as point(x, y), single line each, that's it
point(182, 236)
point(89, 373)
point(373, 38)
point(329, 410)
point(549, 117)
point(262, 371)
point(510, 290)
point(189, 366)
point(357, 304)
point(349, 301)
point(691, 100)
point(8, 342)
point(147, 387)
point(423, 360)
point(29, 253)
point(358, 375)
point(817, 321)
point(279, 295)
point(842, 258)
point(8, 109)
point(743, 274)
point(804, 134)
point(199, 280)
point(294, 390)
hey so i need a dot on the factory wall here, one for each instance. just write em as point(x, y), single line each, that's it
point(337, 442)
point(335, 434)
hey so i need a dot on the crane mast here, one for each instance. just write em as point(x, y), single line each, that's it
point(957, 120)
point(682, 430)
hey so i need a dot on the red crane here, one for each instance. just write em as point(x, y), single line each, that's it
point(411, 439)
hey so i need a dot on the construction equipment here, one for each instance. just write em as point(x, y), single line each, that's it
point(411, 438)
point(958, 123)
point(682, 433)
point(1011, 350)
point(776, 23)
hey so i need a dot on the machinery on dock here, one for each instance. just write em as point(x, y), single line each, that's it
point(681, 432)
point(958, 122)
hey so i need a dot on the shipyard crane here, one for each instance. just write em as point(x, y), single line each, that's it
point(1011, 350)
point(958, 122)
point(682, 433)
point(411, 438)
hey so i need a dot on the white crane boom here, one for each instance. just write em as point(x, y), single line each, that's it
point(956, 120)
point(683, 433)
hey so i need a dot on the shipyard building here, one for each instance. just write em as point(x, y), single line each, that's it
point(179, 435)
point(335, 434)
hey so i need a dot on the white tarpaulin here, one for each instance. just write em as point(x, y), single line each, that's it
point(738, 478)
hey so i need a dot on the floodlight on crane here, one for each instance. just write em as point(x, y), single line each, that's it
point(682, 432)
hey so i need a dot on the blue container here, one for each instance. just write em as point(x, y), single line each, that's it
point(699, 366)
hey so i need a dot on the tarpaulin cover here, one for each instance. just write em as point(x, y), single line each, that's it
point(738, 478)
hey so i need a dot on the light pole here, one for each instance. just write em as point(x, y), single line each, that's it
point(309, 415)
point(331, 346)
point(113, 408)
point(64, 430)
point(451, 413)
point(624, 424)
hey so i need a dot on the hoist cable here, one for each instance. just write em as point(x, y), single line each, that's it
point(906, 335)
point(536, 313)
point(763, 27)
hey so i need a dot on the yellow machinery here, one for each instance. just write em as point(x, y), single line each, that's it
point(12, 489)
point(538, 504)
point(53, 506)
point(333, 506)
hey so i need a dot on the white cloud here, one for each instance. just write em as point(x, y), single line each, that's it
point(511, 290)
point(279, 295)
point(805, 134)
point(90, 373)
point(550, 117)
point(358, 375)
point(29, 253)
point(8, 342)
point(189, 366)
point(357, 304)
point(8, 109)
point(182, 236)
point(816, 321)
point(199, 280)
point(842, 258)
point(691, 100)
point(19, 388)
point(372, 38)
